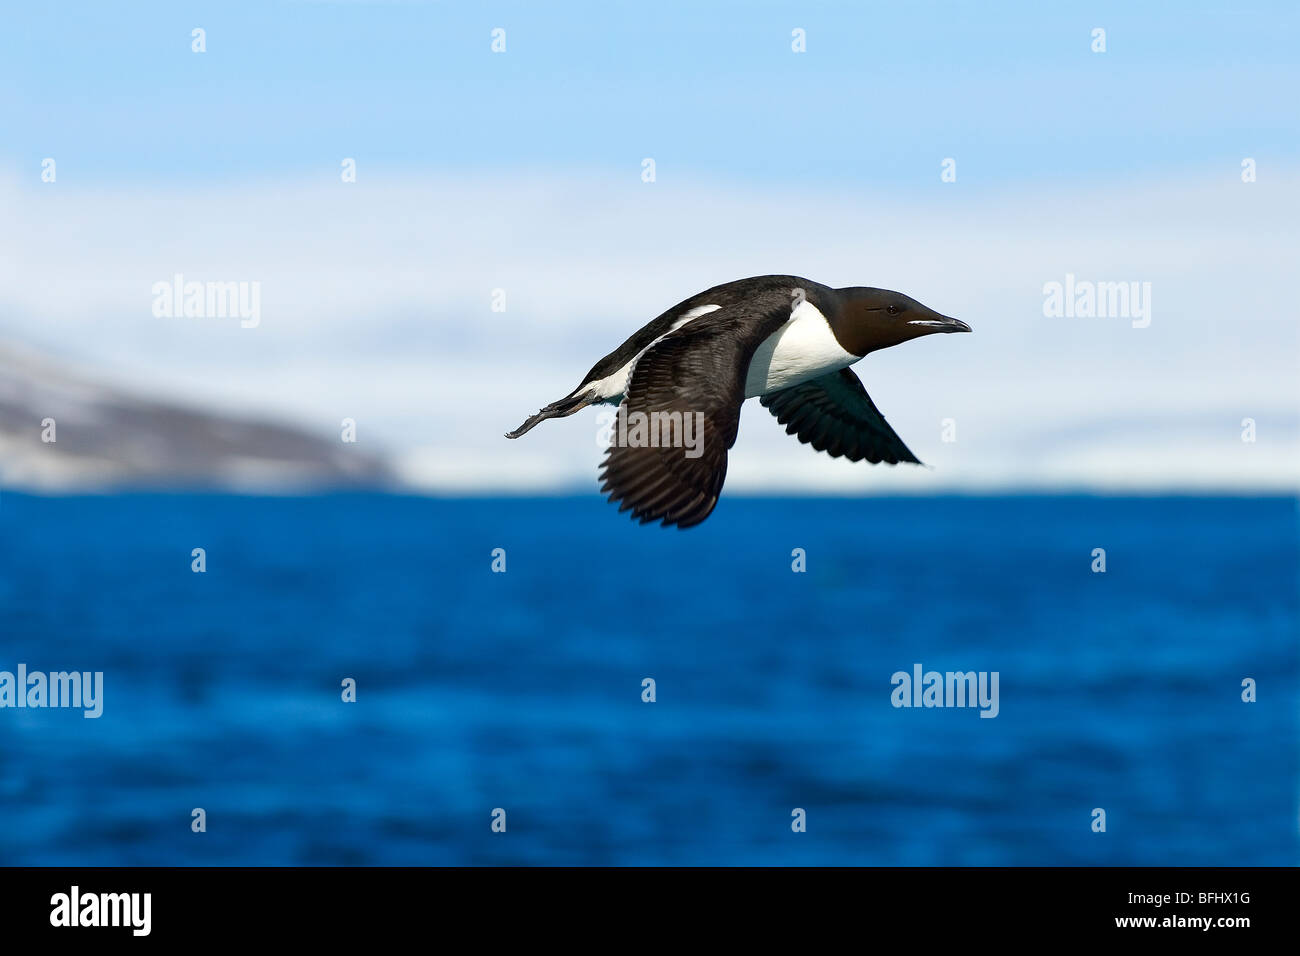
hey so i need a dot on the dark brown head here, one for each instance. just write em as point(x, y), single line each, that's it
point(871, 319)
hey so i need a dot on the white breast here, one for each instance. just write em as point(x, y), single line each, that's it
point(803, 348)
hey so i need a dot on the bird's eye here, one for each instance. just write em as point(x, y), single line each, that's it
point(894, 309)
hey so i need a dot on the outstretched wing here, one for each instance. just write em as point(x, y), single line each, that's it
point(835, 414)
point(668, 455)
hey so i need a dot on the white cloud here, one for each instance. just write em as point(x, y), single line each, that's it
point(376, 306)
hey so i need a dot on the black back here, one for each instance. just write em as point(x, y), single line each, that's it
point(727, 295)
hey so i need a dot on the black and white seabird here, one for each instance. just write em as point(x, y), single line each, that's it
point(785, 340)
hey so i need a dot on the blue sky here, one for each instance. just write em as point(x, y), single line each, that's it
point(522, 171)
point(883, 93)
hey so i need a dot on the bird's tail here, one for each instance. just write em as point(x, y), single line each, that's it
point(565, 406)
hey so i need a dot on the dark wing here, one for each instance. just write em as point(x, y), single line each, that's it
point(835, 414)
point(684, 396)
point(727, 295)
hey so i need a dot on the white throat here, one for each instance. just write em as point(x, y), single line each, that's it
point(802, 349)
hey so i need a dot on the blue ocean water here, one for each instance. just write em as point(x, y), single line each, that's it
point(523, 690)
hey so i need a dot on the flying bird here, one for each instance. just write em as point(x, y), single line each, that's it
point(788, 341)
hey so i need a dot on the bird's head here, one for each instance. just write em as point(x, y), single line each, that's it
point(873, 319)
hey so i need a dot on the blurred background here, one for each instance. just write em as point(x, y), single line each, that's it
point(501, 234)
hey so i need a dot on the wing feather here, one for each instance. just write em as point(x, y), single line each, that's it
point(835, 414)
point(685, 393)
